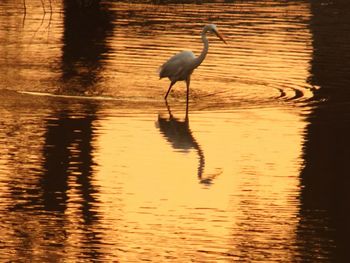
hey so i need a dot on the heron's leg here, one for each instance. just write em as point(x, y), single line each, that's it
point(186, 116)
point(188, 80)
point(171, 85)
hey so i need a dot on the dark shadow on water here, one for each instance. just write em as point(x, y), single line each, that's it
point(68, 164)
point(51, 187)
point(178, 133)
point(324, 227)
point(84, 47)
point(69, 138)
point(68, 150)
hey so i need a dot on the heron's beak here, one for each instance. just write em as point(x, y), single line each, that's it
point(220, 36)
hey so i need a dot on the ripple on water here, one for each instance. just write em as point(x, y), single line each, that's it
point(266, 59)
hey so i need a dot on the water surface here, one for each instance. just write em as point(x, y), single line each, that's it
point(96, 166)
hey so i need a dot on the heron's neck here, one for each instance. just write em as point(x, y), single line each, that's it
point(202, 56)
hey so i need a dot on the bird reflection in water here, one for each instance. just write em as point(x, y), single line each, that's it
point(178, 133)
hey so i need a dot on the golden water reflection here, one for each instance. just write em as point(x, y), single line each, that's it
point(152, 193)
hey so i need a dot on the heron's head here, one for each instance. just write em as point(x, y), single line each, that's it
point(212, 28)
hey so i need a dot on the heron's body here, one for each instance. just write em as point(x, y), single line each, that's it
point(180, 66)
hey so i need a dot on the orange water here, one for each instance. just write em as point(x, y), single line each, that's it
point(96, 166)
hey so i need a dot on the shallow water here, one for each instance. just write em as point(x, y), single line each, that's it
point(95, 166)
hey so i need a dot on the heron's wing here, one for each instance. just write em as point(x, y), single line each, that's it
point(176, 65)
